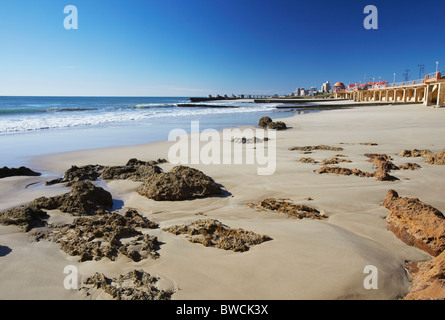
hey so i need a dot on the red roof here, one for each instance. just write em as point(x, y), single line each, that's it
point(339, 84)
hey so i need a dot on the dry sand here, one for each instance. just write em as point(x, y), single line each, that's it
point(306, 259)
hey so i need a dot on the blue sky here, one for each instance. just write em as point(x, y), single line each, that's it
point(200, 47)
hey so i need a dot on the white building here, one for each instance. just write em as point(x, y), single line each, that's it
point(326, 87)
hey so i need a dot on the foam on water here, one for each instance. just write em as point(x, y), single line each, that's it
point(68, 117)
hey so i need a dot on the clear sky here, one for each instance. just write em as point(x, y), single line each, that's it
point(200, 47)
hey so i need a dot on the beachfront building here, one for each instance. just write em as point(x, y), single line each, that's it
point(430, 91)
point(326, 87)
point(299, 92)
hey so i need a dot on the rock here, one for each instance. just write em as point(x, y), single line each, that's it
point(27, 217)
point(253, 140)
point(212, 233)
point(409, 166)
point(288, 207)
point(368, 143)
point(416, 223)
point(135, 285)
point(334, 160)
point(436, 158)
point(344, 171)
point(381, 163)
point(278, 125)
point(75, 174)
point(181, 183)
point(428, 280)
point(415, 153)
point(264, 121)
point(84, 199)
point(136, 173)
point(97, 237)
point(135, 170)
point(307, 160)
point(312, 148)
point(22, 171)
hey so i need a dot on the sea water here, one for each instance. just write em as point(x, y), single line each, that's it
point(33, 126)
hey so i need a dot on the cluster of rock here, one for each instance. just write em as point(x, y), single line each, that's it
point(180, 183)
point(135, 285)
point(430, 157)
point(212, 233)
point(83, 199)
point(253, 140)
point(288, 207)
point(423, 226)
point(307, 160)
point(334, 160)
point(382, 164)
point(268, 123)
point(22, 171)
point(100, 236)
point(135, 170)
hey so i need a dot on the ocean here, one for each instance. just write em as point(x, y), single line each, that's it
point(33, 126)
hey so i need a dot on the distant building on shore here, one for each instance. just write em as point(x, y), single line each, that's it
point(326, 87)
point(299, 92)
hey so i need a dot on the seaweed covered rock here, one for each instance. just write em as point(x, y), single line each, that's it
point(97, 237)
point(286, 206)
point(277, 125)
point(135, 285)
point(314, 148)
point(181, 183)
point(135, 170)
point(27, 217)
point(416, 223)
point(139, 172)
point(415, 153)
point(83, 199)
point(22, 171)
point(436, 158)
point(212, 233)
point(264, 121)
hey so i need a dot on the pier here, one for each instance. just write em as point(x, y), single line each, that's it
point(430, 91)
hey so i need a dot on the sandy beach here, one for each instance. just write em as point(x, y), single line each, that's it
point(305, 258)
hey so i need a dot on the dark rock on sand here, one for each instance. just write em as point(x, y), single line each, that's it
point(277, 125)
point(84, 199)
point(97, 237)
point(75, 174)
point(212, 233)
point(22, 171)
point(436, 158)
point(264, 121)
point(415, 153)
point(288, 207)
point(135, 170)
point(135, 285)
point(312, 148)
point(27, 217)
point(416, 223)
point(382, 164)
point(181, 183)
point(267, 123)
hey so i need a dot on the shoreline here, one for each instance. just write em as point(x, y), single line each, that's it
point(302, 259)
